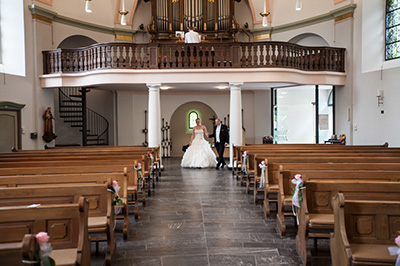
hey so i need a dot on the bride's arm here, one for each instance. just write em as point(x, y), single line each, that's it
point(191, 139)
point(205, 131)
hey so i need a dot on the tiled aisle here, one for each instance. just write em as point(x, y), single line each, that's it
point(201, 217)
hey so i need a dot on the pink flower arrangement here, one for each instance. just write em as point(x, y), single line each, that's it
point(115, 183)
point(42, 237)
point(397, 241)
point(263, 162)
point(298, 176)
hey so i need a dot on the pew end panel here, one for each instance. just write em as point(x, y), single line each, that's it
point(365, 230)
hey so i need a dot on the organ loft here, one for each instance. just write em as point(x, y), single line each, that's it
point(212, 19)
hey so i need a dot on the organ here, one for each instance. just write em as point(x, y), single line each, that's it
point(214, 19)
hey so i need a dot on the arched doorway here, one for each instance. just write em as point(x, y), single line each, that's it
point(309, 39)
point(180, 124)
point(76, 41)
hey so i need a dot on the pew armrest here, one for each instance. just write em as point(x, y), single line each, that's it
point(339, 244)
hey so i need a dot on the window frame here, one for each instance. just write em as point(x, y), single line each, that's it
point(189, 118)
point(387, 28)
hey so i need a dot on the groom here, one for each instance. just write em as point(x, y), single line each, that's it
point(221, 138)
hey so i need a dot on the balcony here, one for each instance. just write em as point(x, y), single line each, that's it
point(209, 57)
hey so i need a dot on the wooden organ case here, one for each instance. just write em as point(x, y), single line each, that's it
point(214, 19)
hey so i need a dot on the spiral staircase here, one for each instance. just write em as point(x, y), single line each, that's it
point(73, 110)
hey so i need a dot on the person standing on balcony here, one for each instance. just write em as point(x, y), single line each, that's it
point(192, 36)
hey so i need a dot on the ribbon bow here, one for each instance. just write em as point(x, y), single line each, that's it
point(396, 250)
point(297, 196)
point(263, 167)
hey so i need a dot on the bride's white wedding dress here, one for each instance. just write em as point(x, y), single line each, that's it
point(199, 154)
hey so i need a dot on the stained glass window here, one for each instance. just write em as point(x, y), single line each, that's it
point(392, 48)
point(193, 115)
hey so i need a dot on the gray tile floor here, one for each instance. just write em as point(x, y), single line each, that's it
point(202, 217)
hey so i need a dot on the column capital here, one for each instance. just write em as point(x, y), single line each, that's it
point(235, 85)
point(153, 86)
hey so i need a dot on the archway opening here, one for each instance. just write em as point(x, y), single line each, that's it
point(309, 39)
point(180, 124)
point(76, 41)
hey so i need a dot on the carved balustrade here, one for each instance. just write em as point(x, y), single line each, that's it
point(201, 55)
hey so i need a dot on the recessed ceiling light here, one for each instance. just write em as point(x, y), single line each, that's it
point(164, 88)
point(284, 93)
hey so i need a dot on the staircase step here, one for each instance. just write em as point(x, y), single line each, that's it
point(94, 139)
point(76, 96)
point(91, 135)
point(72, 101)
point(76, 125)
point(66, 116)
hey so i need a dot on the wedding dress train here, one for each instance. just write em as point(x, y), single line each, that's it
point(199, 154)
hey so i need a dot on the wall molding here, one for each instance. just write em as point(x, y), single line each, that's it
point(55, 17)
point(11, 106)
point(340, 13)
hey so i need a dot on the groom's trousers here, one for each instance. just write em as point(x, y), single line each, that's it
point(220, 147)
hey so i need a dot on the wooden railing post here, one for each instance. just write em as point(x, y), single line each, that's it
point(153, 56)
point(235, 54)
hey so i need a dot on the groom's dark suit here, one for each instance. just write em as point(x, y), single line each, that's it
point(220, 146)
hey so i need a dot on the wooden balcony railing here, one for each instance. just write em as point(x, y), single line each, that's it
point(201, 55)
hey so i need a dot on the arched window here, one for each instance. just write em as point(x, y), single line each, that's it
point(392, 47)
point(193, 115)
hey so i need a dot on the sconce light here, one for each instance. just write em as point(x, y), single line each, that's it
point(264, 15)
point(88, 6)
point(246, 25)
point(380, 97)
point(123, 12)
point(299, 5)
point(141, 27)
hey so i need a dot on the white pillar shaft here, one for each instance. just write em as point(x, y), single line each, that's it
point(235, 117)
point(154, 115)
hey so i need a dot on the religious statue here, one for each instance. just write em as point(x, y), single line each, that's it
point(48, 125)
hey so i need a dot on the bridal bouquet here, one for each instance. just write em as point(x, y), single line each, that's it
point(42, 239)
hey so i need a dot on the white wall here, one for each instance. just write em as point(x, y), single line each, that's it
point(374, 127)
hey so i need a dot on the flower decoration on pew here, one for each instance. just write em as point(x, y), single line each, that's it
point(263, 167)
point(244, 165)
point(297, 195)
point(114, 190)
point(396, 250)
point(42, 239)
point(138, 168)
point(151, 158)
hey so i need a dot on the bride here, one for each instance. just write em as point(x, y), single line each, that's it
point(199, 153)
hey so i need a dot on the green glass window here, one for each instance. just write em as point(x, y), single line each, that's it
point(193, 115)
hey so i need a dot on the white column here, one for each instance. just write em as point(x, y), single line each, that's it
point(235, 118)
point(154, 114)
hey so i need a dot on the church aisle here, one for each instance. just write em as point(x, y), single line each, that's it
point(202, 217)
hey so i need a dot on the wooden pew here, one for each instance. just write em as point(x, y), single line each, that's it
point(101, 213)
point(272, 186)
point(66, 224)
point(316, 214)
point(363, 231)
point(285, 185)
point(73, 179)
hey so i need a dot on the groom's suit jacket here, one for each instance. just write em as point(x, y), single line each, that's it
point(223, 134)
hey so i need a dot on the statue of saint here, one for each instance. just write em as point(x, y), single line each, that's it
point(48, 125)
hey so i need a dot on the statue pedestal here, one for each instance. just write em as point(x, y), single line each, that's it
point(49, 137)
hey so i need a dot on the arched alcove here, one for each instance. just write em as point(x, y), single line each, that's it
point(309, 39)
point(76, 41)
point(180, 132)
